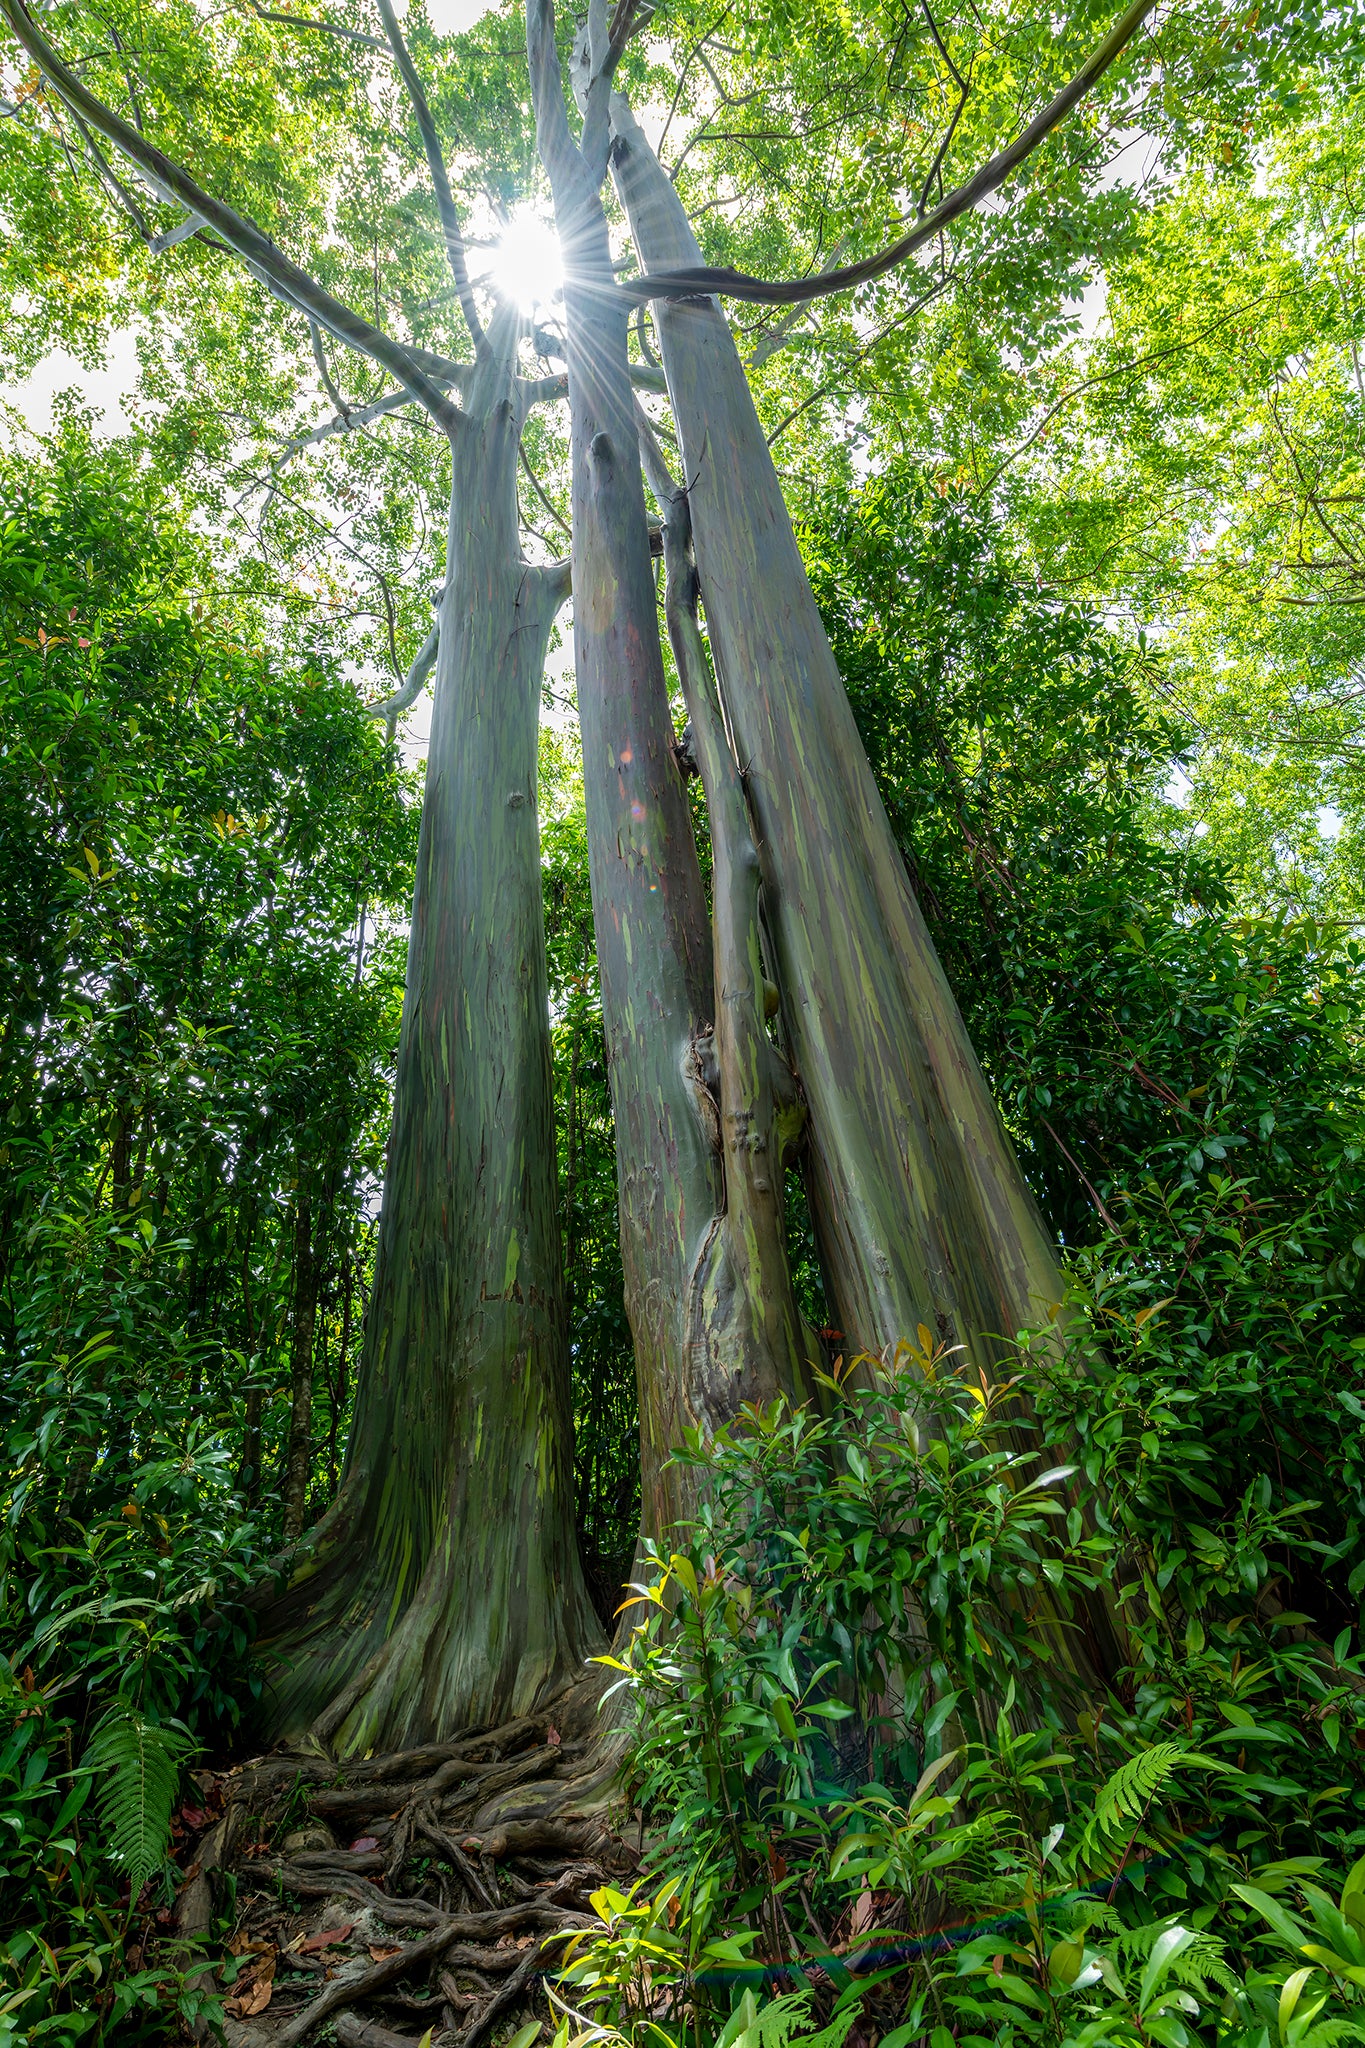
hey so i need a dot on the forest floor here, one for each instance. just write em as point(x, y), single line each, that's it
point(426, 1889)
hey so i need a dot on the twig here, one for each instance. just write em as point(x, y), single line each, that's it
point(445, 201)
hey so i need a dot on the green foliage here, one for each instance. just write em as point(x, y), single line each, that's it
point(64, 1974)
point(198, 1030)
point(940, 1836)
point(137, 1765)
point(1182, 1080)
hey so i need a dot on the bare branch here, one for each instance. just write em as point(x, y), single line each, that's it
point(557, 578)
point(558, 149)
point(703, 282)
point(423, 662)
point(315, 336)
point(538, 487)
point(331, 28)
point(361, 417)
point(190, 225)
point(778, 333)
point(964, 86)
point(431, 143)
point(122, 196)
point(241, 235)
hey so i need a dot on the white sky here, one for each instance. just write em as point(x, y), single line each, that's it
point(104, 389)
point(449, 17)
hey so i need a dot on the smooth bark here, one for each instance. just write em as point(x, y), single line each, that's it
point(920, 1209)
point(649, 909)
point(743, 1316)
point(299, 1454)
point(443, 1588)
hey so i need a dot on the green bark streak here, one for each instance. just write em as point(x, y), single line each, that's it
point(443, 1588)
point(922, 1211)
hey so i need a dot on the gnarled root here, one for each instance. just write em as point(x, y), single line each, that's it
point(480, 1851)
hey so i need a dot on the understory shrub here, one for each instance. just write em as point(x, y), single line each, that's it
point(870, 1780)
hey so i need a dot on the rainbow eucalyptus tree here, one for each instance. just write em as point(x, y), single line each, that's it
point(921, 1213)
point(920, 1209)
point(443, 1587)
point(711, 1330)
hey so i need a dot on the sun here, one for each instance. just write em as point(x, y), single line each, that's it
point(525, 263)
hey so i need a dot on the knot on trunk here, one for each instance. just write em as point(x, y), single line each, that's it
point(702, 1073)
point(684, 753)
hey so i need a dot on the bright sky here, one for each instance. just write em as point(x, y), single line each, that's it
point(448, 17)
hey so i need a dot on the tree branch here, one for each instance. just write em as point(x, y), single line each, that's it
point(360, 417)
point(557, 146)
point(331, 28)
point(410, 689)
point(538, 487)
point(440, 182)
point(240, 235)
point(703, 282)
point(315, 335)
point(964, 87)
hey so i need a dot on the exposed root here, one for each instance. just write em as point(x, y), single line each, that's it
point(478, 1851)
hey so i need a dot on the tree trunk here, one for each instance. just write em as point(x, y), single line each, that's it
point(649, 907)
point(443, 1587)
point(742, 1306)
point(919, 1206)
point(921, 1209)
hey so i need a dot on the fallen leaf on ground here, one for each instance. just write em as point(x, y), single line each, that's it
point(324, 1938)
point(363, 1845)
point(256, 1993)
point(553, 1737)
point(863, 1910)
point(247, 1944)
point(381, 1955)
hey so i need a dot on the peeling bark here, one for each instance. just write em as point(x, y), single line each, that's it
point(745, 1340)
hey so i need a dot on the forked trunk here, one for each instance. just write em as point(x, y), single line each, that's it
point(443, 1589)
point(922, 1212)
point(920, 1208)
point(742, 1305)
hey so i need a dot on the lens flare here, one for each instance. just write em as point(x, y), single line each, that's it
point(525, 264)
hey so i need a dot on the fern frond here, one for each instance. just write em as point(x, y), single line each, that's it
point(1202, 1962)
point(779, 2026)
point(137, 1766)
point(1131, 1789)
point(1098, 1913)
point(1333, 2033)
